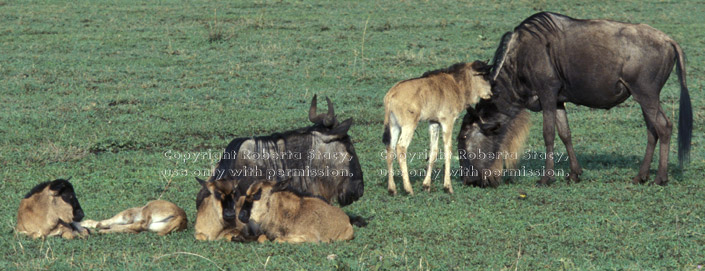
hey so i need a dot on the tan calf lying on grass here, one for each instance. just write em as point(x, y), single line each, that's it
point(51, 209)
point(159, 216)
point(439, 97)
point(217, 216)
point(285, 216)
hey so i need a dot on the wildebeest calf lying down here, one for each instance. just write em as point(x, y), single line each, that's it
point(437, 96)
point(159, 216)
point(50, 209)
point(216, 217)
point(287, 216)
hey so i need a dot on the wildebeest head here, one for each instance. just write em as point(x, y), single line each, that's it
point(333, 161)
point(60, 198)
point(223, 198)
point(489, 140)
point(257, 191)
point(346, 173)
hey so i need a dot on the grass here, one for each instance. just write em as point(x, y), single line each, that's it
point(101, 91)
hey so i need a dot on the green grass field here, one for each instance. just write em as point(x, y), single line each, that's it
point(107, 92)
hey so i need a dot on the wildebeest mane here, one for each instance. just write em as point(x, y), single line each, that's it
point(452, 70)
point(537, 25)
point(540, 24)
point(38, 188)
point(499, 55)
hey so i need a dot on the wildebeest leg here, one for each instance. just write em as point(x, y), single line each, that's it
point(447, 128)
point(653, 113)
point(407, 132)
point(136, 227)
point(564, 134)
point(651, 139)
point(125, 217)
point(549, 136)
point(391, 148)
point(433, 129)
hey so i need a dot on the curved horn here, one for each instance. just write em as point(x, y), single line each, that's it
point(312, 111)
point(329, 120)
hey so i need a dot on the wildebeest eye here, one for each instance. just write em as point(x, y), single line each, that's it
point(257, 195)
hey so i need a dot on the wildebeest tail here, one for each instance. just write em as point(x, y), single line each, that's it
point(358, 221)
point(386, 136)
point(685, 115)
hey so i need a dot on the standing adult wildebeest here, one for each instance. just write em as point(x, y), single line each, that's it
point(318, 159)
point(551, 59)
point(437, 96)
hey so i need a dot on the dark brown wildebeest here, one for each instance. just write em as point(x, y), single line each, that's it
point(284, 215)
point(318, 159)
point(50, 209)
point(437, 96)
point(160, 216)
point(551, 59)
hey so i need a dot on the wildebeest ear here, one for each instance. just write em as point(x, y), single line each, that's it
point(342, 128)
point(201, 181)
point(281, 185)
point(489, 128)
point(58, 185)
point(471, 115)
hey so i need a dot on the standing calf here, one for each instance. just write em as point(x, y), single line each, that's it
point(159, 216)
point(50, 209)
point(437, 96)
point(287, 216)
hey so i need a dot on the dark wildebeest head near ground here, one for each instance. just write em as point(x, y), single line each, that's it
point(551, 59)
point(216, 215)
point(438, 96)
point(319, 159)
point(485, 149)
point(50, 208)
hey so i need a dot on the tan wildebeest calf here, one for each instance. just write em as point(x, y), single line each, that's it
point(217, 206)
point(438, 96)
point(51, 209)
point(288, 216)
point(159, 216)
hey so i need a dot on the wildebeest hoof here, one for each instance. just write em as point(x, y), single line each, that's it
point(545, 182)
point(661, 182)
point(448, 190)
point(574, 177)
point(639, 180)
point(426, 188)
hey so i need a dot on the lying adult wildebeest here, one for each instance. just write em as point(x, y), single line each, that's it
point(551, 59)
point(509, 141)
point(216, 216)
point(437, 96)
point(286, 215)
point(50, 209)
point(319, 159)
point(160, 216)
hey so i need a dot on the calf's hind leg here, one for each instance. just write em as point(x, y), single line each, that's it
point(433, 129)
point(407, 133)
